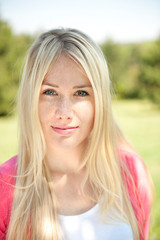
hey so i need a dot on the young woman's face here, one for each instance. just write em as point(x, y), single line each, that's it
point(66, 105)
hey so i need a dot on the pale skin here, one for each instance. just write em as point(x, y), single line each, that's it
point(66, 111)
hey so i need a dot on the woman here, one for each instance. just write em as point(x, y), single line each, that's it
point(75, 177)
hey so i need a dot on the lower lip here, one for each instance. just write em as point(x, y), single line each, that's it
point(64, 131)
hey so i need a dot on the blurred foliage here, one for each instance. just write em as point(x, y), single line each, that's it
point(12, 52)
point(134, 68)
point(149, 75)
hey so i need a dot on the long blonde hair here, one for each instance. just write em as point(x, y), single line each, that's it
point(34, 214)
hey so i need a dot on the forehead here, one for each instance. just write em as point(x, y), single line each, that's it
point(66, 71)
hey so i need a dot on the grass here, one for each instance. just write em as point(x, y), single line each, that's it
point(8, 139)
point(140, 121)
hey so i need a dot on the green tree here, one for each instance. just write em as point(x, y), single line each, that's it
point(12, 52)
point(149, 76)
point(134, 68)
point(123, 61)
point(6, 38)
point(111, 51)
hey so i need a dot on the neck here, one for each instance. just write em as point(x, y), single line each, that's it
point(67, 181)
point(64, 161)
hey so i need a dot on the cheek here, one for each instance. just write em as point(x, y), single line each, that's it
point(44, 112)
point(91, 117)
point(41, 110)
point(86, 112)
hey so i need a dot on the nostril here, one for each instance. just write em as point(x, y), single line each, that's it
point(63, 117)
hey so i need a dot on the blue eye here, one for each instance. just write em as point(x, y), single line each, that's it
point(81, 93)
point(50, 92)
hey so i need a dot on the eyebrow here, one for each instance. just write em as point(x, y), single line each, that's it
point(56, 86)
point(83, 86)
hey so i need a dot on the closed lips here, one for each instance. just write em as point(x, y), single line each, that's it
point(64, 128)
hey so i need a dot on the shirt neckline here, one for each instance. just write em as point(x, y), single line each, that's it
point(89, 212)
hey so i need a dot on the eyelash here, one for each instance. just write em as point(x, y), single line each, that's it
point(51, 92)
point(81, 91)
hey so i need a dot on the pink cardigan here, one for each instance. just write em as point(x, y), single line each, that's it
point(140, 197)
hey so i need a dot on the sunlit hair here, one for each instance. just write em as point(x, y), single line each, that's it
point(34, 214)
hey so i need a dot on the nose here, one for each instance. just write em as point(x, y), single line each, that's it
point(64, 109)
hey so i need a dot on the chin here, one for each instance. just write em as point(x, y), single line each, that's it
point(67, 143)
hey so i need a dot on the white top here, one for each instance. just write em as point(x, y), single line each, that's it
point(87, 226)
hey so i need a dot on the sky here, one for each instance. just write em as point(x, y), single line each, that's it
point(119, 20)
